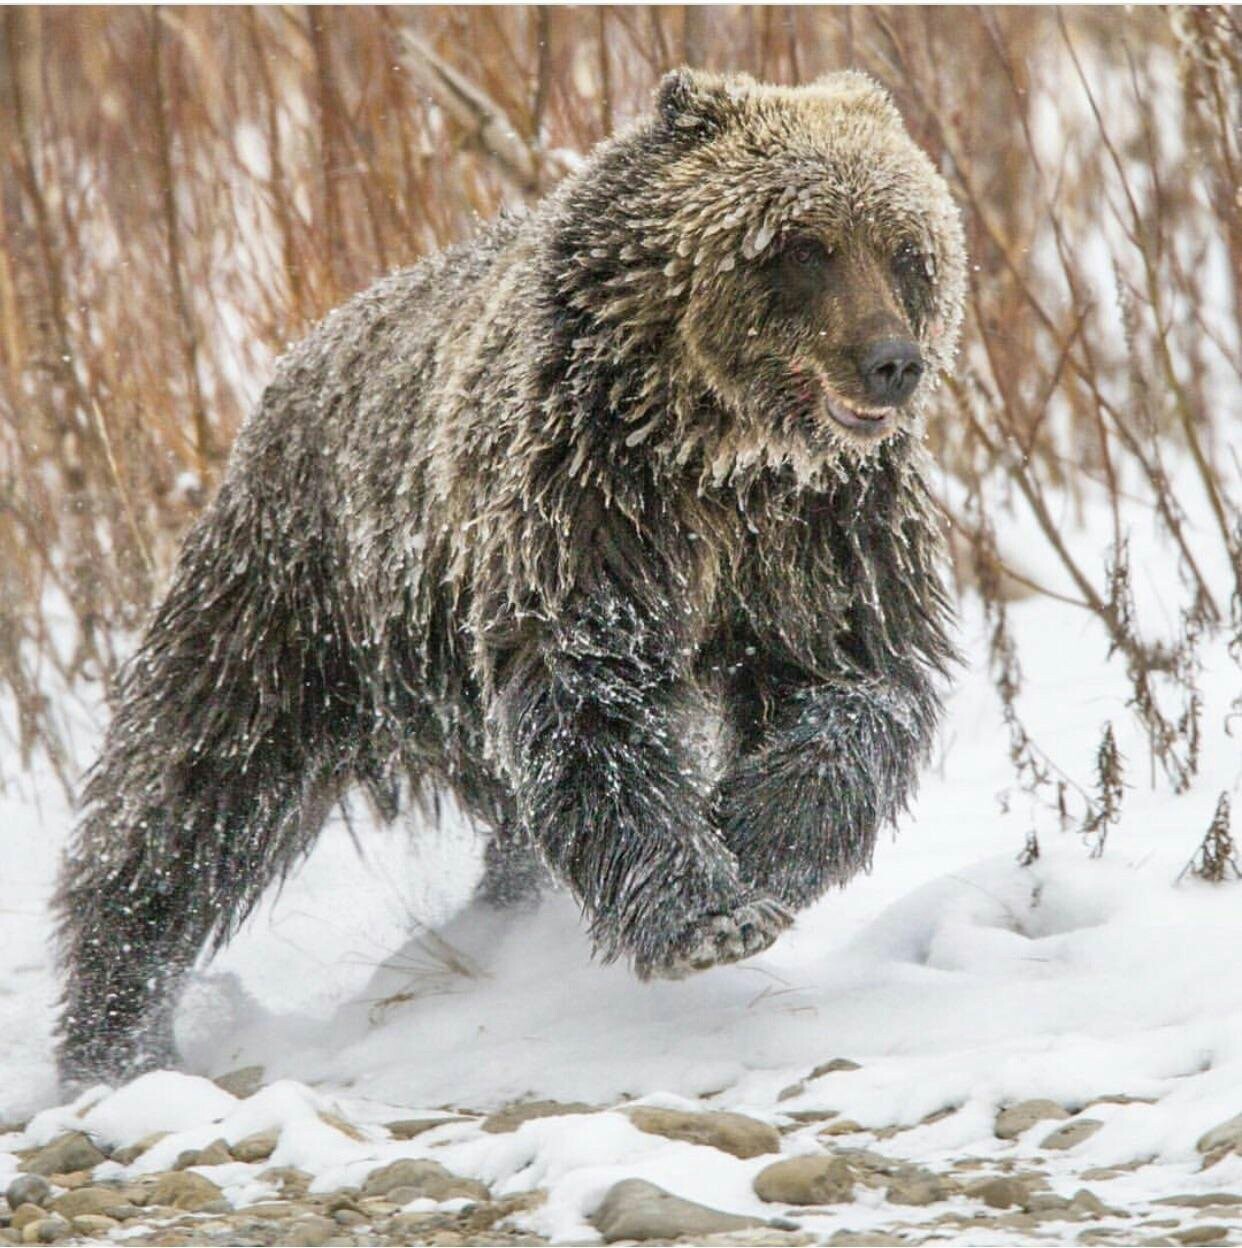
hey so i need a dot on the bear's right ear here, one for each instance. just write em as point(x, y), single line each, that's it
point(690, 101)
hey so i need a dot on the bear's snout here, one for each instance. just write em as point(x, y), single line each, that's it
point(890, 369)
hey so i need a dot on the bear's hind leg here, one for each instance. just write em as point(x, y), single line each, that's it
point(141, 898)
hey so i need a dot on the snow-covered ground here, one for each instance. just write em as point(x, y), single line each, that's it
point(956, 978)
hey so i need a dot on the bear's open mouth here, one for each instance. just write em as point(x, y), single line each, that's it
point(818, 395)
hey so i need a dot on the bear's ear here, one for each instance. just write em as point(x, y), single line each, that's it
point(859, 91)
point(691, 101)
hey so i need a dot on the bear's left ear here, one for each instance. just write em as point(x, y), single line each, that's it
point(691, 100)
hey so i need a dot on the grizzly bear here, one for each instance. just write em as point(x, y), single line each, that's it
point(508, 521)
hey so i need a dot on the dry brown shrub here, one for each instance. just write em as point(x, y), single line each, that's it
point(185, 190)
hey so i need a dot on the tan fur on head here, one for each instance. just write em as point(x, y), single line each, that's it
point(750, 164)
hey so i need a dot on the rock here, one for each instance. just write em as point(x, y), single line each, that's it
point(427, 1178)
point(512, 1116)
point(843, 1126)
point(736, 1134)
point(1047, 1203)
point(25, 1214)
point(72, 1151)
point(257, 1147)
point(337, 1123)
point(1089, 1203)
point(292, 1183)
point(757, 1237)
point(637, 1210)
point(349, 1217)
point(806, 1181)
point(48, 1230)
point(856, 1239)
point(243, 1082)
point(27, 1189)
point(183, 1189)
point(1014, 1119)
point(1197, 1200)
point(999, 1193)
point(131, 1152)
point(790, 1091)
point(916, 1191)
point(215, 1154)
point(1201, 1235)
point(271, 1211)
point(96, 1225)
point(75, 1178)
point(308, 1231)
point(833, 1067)
point(1071, 1133)
point(409, 1225)
point(408, 1128)
point(1228, 1135)
point(88, 1201)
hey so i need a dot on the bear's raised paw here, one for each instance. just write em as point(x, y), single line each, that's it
point(720, 938)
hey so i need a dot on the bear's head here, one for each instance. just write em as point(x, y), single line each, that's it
point(788, 249)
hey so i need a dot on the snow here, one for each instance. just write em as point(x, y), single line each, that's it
point(957, 979)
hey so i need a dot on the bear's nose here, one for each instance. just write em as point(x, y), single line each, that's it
point(890, 371)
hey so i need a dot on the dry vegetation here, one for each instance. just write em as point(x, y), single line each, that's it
point(184, 191)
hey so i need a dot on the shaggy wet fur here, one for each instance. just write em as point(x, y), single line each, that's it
point(507, 521)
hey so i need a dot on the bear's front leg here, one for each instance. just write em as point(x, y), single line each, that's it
point(586, 719)
point(821, 766)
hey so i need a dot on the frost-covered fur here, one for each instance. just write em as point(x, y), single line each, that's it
point(505, 521)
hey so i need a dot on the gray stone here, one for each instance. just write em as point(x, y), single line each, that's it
point(1000, 1192)
point(736, 1134)
point(757, 1237)
point(215, 1154)
point(806, 1181)
point(257, 1147)
point(1084, 1201)
point(291, 1182)
point(308, 1231)
point(27, 1189)
point(1228, 1135)
point(95, 1225)
point(48, 1230)
point(836, 1066)
point(512, 1116)
point(66, 1153)
point(243, 1082)
point(408, 1128)
point(1199, 1200)
point(637, 1210)
point(408, 1225)
point(427, 1178)
point(1047, 1203)
point(1071, 1133)
point(183, 1189)
point(25, 1214)
point(1207, 1234)
point(1012, 1121)
point(916, 1190)
point(843, 1126)
point(90, 1200)
point(131, 1152)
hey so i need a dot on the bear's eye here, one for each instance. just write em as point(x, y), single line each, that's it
point(909, 260)
point(805, 251)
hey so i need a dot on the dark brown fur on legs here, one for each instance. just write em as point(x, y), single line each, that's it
point(506, 521)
